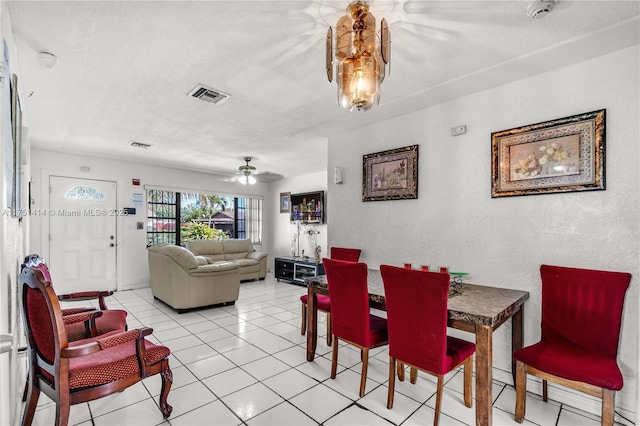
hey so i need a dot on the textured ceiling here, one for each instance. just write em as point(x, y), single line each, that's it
point(124, 70)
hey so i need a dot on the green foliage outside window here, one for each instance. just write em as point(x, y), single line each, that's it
point(201, 231)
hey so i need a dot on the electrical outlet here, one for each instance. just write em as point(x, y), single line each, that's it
point(458, 130)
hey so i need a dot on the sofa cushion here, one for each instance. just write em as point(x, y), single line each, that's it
point(205, 247)
point(202, 260)
point(213, 258)
point(220, 267)
point(237, 246)
point(234, 256)
point(246, 262)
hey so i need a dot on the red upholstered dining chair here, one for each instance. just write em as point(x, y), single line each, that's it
point(581, 317)
point(417, 322)
point(74, 372)
point(346, 254)
point(324, 301)
point(352, 321)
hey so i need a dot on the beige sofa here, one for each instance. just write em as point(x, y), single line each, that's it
point(252, 264)
point(185, 281)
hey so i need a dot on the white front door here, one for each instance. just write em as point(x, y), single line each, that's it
point(82, 234)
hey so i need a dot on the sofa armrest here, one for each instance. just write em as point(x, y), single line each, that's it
point(257, 255)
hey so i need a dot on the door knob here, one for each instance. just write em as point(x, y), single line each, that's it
point(111, 237)
point(111, 245)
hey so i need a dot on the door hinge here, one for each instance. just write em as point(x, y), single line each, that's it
point(2, 77)
point(50, 189)
point(49, 237)
point(6, 343)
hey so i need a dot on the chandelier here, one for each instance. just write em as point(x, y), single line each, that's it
point(361, 56)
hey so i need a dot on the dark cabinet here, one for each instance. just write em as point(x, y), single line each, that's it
point(295, 270)
point(284, 269)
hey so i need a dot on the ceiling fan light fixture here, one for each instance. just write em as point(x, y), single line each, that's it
point(246, 170)
point(361, 55)
point(247, 179)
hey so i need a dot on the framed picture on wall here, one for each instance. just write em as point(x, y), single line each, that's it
point(16, 136)
point(562, 155)
point(390, 175)
point(285, 202)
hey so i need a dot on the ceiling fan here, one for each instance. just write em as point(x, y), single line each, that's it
point(247, 172)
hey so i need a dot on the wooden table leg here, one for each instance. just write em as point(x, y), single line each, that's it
point(484, 365)
point(516, 337)
point(312, 323)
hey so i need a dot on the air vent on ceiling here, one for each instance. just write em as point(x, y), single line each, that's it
point(139, 144)
point(208, 94)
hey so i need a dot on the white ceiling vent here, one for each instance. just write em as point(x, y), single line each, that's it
point(208, 94)
point(139, 145)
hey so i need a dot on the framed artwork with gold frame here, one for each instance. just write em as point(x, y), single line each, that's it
point(562, 155)
point(390, 175)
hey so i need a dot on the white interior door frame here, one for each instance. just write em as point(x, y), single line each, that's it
point(44, 205)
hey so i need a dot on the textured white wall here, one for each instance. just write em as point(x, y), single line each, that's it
point(502, 242)
point(12, 247)
point(133, 269)
point(283, 230)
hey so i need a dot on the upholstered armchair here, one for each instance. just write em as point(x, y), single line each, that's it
point(75, 372)
point(109, 320)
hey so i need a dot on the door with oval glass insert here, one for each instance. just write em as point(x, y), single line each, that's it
point(82, 228)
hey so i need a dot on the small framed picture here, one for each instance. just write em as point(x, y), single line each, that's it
point(285, 202)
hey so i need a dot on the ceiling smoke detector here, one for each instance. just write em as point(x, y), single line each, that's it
point(540, 8)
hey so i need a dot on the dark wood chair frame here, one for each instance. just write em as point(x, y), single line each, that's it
point(606, 395)
point(91, 329)
point(59, 390)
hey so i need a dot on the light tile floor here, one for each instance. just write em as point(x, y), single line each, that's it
point(245, 365)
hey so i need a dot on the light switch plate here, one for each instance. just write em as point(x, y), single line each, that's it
point(458, 130)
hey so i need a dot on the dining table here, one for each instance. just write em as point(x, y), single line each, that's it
point(474, 308)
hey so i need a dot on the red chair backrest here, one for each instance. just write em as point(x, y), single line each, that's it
point(583, 307)
point(349, 294)
point(42, 316)
point(347, 254)
point(417, 316)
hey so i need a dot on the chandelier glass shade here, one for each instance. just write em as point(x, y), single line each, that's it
point(361, 56)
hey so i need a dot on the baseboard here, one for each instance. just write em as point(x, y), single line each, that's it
point(135, 286)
